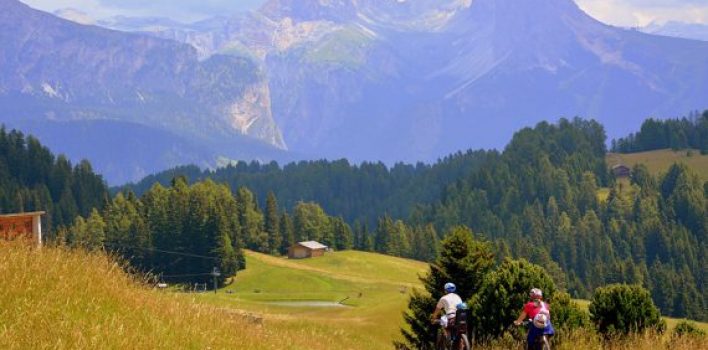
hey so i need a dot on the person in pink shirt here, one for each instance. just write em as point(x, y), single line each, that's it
point(539, 312)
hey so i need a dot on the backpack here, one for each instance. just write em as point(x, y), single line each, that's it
point(543, 317)
point(461, 315)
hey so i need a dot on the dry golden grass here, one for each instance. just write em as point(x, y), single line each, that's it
point(583, 339)
point(52, 298)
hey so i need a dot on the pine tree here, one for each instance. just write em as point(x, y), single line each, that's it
point(288, 229)
point(342, 234)
point(463, 261)
point(251, 221)
point(384, 240)
point(272, 224)
point(95, 231)
point(311, 223)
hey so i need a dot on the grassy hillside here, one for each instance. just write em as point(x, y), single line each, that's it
point(373, 289)
point(659, 161)
point(57, 299)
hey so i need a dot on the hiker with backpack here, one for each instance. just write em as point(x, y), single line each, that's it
point(539, 312)
point(451, 314)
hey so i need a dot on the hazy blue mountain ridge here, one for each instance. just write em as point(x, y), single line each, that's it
point(416, 80)
point(424, 85)
point(57, 70)
point(676, 29)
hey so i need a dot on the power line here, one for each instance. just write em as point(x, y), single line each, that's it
point(186, 275)
point(162, 251)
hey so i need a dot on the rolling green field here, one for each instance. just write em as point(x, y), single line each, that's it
point(659, 161)
point(372, 288)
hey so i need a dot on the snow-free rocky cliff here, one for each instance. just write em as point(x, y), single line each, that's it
point(414, 80)
point(59, 73)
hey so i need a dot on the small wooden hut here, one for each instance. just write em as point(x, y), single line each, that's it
point(621, 170)
point(22, 226)
point(307, 249)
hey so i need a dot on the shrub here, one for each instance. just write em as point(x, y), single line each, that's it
point(686, 328)
point(503, 294)
point(566, 314)
point(624, 309)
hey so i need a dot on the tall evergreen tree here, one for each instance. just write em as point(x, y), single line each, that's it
point(342, 234)
point(463, 261)
point(311, 223)
point(251, 221)
point(288, 229)
point(272, 224)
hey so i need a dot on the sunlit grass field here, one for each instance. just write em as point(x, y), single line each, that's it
point(373, 290)
point(52, 298)
point(658, 162)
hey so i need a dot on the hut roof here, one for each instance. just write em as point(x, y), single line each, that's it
point(313, 245)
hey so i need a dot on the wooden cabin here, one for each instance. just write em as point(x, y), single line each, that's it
point(621, 170)
point(309, 249)
point(22, 226)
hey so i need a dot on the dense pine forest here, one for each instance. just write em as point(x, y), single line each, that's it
point(180, 233)
point(357, 192)
point(33, 179)
point(537, 199)
point(690, 132)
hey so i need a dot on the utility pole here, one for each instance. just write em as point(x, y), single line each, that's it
point(215, 273)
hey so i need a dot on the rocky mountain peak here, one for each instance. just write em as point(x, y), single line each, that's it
point(310, 10)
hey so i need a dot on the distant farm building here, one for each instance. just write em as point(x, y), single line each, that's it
point(307, 249)
point(26, 226)
point(621, 170)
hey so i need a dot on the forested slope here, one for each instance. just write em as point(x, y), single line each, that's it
point(361, 192)
point(538, 199)
point(32, 178)
point(691, 132)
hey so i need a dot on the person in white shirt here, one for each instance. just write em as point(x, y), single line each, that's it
point(446, 309)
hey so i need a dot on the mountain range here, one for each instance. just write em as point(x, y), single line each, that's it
point(390, 80)
point(695, 31)
point(57, 78)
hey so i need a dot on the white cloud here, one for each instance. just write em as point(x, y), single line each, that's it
point(91, 7)
point(617, 12)
point(631, 13)
point(177, 9)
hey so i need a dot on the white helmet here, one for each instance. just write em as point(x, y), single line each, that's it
point(536, 294)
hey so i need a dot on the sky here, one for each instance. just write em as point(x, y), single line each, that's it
point(626, 13)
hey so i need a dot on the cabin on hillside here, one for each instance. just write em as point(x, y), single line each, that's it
point(309, 249)
point(621, 170)
point(26, 226)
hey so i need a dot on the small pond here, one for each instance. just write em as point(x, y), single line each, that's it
point(307, 303)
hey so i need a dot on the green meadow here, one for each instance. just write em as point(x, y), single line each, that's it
point(350, 295)
point(659, 161)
